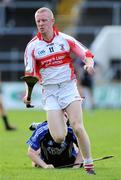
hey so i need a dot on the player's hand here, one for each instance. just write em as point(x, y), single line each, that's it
point(49, 166)
point(89, 69)
point(26, 101)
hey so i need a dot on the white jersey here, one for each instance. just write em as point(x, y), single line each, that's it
point(51, 61)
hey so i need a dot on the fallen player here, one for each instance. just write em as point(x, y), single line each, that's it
point(46, 153)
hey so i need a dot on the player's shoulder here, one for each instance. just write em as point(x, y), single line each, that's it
point(41, 131)
point(43, 124)
point(42, 127)
point(32, 41)
point(66, 36)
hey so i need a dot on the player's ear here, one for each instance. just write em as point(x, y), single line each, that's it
point(53, 20)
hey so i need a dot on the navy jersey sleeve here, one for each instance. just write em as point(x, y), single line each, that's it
point(73, 137)
point(37, 136)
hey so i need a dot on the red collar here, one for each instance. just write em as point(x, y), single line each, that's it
point(55, 30)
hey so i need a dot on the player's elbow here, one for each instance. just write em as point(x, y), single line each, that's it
point(30, 153)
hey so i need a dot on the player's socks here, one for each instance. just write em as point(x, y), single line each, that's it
point(89, 167)
point(7, 125)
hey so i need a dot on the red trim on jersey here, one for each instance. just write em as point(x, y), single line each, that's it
point(39, 36)
point(72, 70)
point(62, 62)
point(54, 60)
point(56, 54)
point(76, 49)
point(89, 54)
point(55, 30)
point(49, 41)
point(36, 68)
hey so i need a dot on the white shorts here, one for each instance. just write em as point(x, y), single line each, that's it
point(59, 96)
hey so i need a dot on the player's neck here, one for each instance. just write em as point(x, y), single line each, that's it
point(48, 37)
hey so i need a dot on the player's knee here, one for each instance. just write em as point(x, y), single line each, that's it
point(78, 128)
point(59, 139)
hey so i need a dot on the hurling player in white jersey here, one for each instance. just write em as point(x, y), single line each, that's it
point(47, 56)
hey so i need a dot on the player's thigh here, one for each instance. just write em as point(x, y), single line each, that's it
point(56, 124)
point(74, 111)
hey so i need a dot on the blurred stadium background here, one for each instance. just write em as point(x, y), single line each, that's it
point(95, 23)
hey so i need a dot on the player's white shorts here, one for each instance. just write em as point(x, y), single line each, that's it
point(59, 96)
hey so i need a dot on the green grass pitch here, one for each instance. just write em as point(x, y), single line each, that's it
point(103, 127)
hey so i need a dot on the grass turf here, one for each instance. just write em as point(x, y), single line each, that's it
point(103, 127)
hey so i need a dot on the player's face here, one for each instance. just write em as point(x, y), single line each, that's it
point(44, 22)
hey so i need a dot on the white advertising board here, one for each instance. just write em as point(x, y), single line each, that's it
point(13, 93)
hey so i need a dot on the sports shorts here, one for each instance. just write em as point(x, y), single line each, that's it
point(59, 96)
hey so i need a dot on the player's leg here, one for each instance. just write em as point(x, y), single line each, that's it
point(74, 111)
point(55, 117)
point(57, 125)
point(70, 98)
point(5, 117)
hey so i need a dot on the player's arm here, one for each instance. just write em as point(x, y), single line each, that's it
point(30, 71)
point(89, 63)
point(83, 53)
point(79, 157)
point(35, 157)
point(30, 82)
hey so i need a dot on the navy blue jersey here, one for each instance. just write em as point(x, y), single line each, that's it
point(52, 152)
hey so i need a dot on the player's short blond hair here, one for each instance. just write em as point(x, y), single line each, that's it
point(44, 9)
